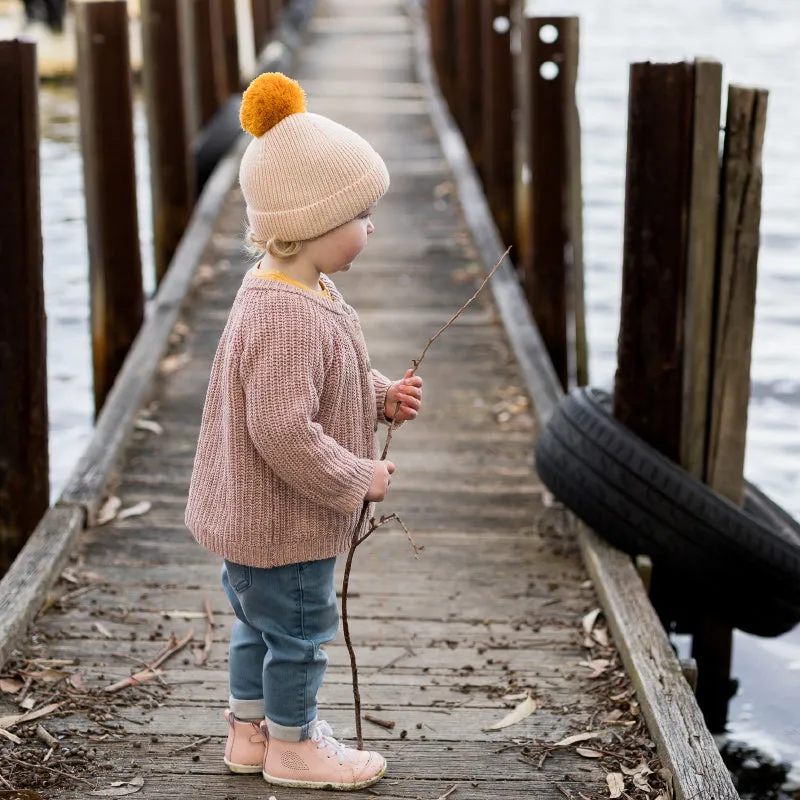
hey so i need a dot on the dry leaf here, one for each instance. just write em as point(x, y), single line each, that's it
point(518, 696)
point(135, 511)
point(589, 620)
point(15, 719)
point(109, 510)
point(46, 675)
point(523, 710)
point(587, 753)
point(643, 768)
point(121, 788)
point(579, 737)
point(616, 784)
point(600, 635)
point(10, 685)
point(597, 665)
point(173, 363)
point(640, 782)
point(28, 703)
point(77, 682)
point(149, 425)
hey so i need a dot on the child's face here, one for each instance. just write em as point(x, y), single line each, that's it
point(336, 250)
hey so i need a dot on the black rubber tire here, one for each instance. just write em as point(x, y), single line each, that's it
point(742, 563)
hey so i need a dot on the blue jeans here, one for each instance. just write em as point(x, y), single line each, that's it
point(283, 615)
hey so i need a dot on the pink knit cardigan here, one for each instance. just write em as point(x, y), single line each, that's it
point(287, 439)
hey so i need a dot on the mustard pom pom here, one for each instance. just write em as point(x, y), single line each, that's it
point(270, 98)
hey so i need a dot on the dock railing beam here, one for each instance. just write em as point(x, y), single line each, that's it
point(24, 464)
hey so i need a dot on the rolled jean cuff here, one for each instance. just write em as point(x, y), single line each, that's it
point(246, 709)
point(286, 733)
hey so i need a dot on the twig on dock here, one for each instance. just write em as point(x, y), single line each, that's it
point(448, 792)
point(191, 745)
point(150, 671)
point(384, 723)
point(357, 538)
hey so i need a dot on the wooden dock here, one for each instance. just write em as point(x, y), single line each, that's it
point(498, 607)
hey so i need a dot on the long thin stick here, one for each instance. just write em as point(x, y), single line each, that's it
point(433, 338)
point(357, 540)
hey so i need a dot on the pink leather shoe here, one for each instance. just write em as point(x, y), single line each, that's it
point(244, 750)
point(321, 763)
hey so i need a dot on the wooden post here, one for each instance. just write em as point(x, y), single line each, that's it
point(171, 165)
point(550, 53)
point(469, 76)
point(261, 23)
point(232, 84)
point(734, 317)
point(649, 381)
point(441, 24)
point(574, 213)
point(437, 31)
point(24, 466)
point(106, 120)
point(201, 70)
point(701, 264)
point(498, 107)
point(740, 217)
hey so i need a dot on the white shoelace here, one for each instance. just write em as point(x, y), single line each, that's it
point(323, 736)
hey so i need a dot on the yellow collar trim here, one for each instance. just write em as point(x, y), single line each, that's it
point(275, 275)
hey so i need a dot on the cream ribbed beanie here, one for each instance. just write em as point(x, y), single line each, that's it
point(303, 174)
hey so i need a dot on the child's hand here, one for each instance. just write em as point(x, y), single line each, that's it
point(381, 479)
point(408, 392)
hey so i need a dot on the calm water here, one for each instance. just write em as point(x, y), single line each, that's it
point(758, 42)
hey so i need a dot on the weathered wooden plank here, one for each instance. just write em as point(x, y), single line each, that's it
point(25, 585)
point(426, 761)
point(673, 716)
point(448, 725)
point(701, 264)
point(225, 786)
point(740, 212)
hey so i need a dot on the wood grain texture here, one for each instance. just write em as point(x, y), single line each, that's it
point(740, 217)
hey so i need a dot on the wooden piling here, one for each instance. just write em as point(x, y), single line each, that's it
point(497, 104)
point(171, 166)
point(232, 83)
point(649, 380)
point(200, 54)
point(24, 465)
point(733, 322)
point(701, 265)
point(261, 22)
point(469, 76)
point(550, 53)
point(740, 216)
point(106, 121)
point(441, 24)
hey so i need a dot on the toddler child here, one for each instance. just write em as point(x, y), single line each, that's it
point(286, 455)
